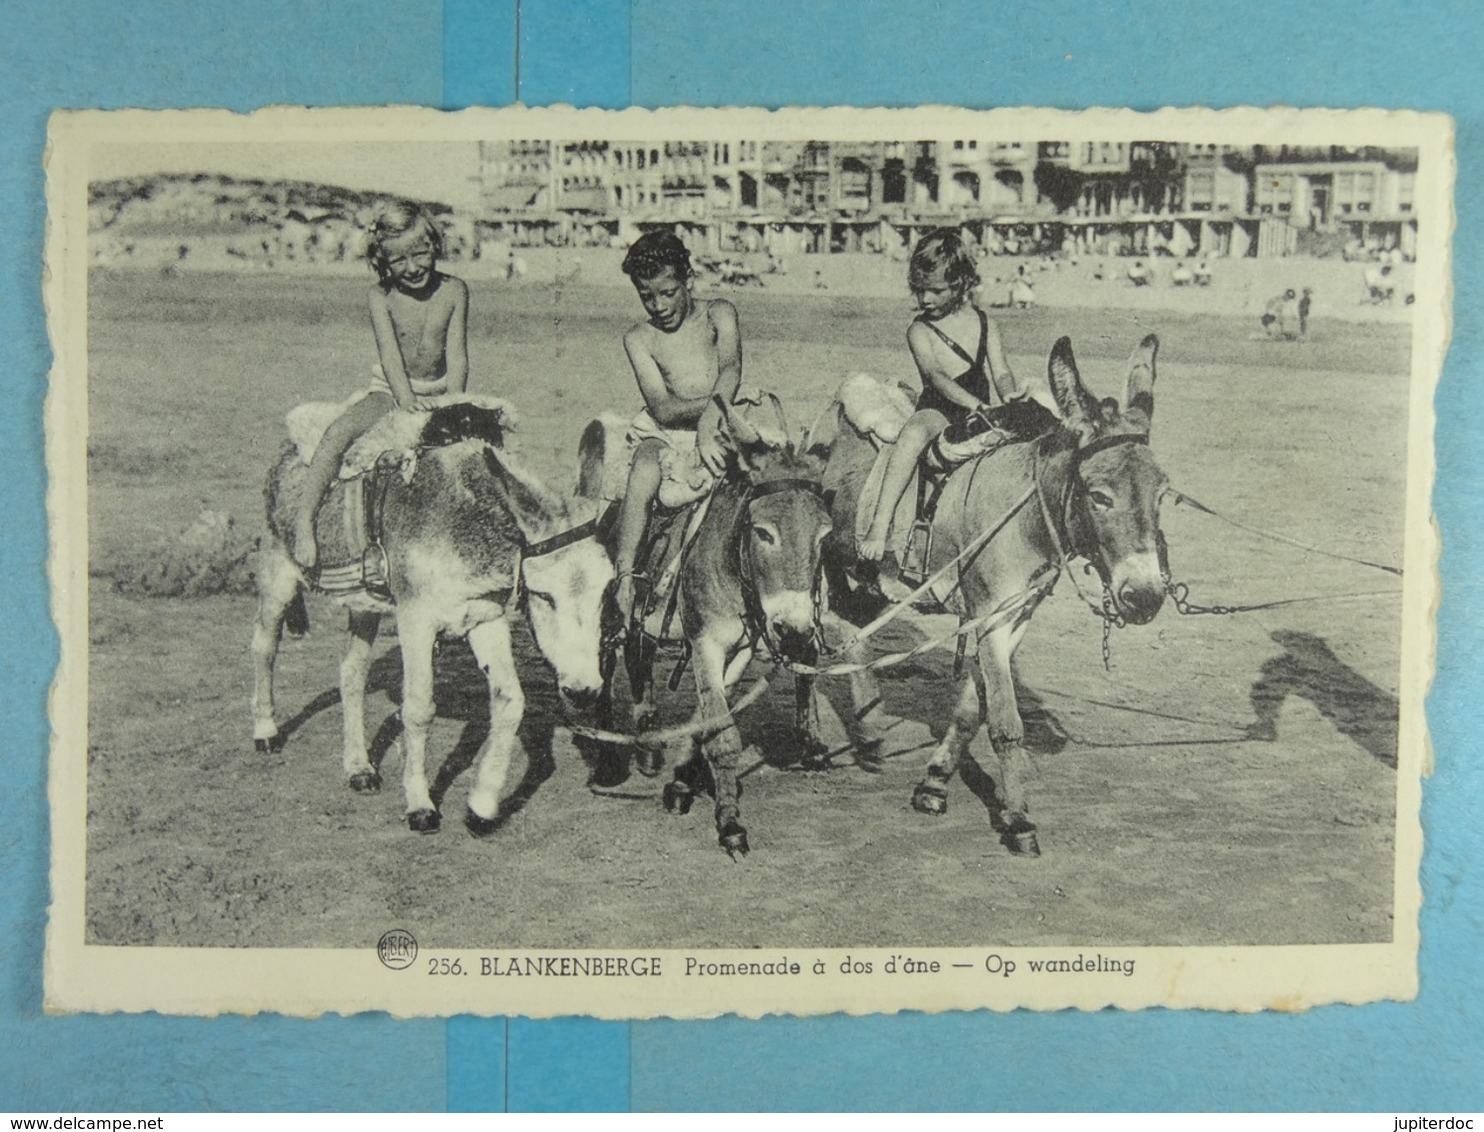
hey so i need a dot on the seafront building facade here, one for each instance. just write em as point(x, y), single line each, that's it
point(785, 198)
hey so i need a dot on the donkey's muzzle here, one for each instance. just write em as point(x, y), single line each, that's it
point(1138, 604)
point(792, 643)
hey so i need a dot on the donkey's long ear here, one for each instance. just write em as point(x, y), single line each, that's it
point(1138, 396)
point(531, 503)
point(1079, 411)
point(746, 441)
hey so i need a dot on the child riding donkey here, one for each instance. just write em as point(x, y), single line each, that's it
point(942, 275)
point(732, 564)
point(685, 355)
point(432, 521)
point(420, 318)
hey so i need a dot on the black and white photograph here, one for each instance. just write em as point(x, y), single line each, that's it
point(687, 562)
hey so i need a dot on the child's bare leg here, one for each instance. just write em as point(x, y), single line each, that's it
point(325, 466)
point(633, 517)
point(916, 435)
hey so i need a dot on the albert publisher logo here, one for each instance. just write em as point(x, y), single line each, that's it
point(397, 949)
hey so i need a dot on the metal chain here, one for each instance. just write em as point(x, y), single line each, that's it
point(1112, 619)
point(1179, 596)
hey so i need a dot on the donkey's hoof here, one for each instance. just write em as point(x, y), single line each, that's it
point(269, 746)
point(365, 782)
point(868, 756)
point(423, 821)
point(815, 755)
point(678, 798)
point(649, 761)
point(1022, 843)
point(733, 838)
point(478, 826)
point(930, 798)
point(1020, 836)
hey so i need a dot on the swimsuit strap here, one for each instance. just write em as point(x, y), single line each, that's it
point(951, 344)
point(983, 361)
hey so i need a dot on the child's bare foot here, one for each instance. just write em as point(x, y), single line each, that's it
point(872, 548)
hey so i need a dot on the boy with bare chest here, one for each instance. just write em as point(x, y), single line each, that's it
point(684, 354)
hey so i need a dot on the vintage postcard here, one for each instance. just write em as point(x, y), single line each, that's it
point(688, 562)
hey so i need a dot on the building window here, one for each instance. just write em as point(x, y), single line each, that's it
point(1406, 191)
point(1200, 191)
point(1274, 193)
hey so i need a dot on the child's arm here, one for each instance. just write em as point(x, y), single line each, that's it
point(1000, 374)
point(389, 351)
point(728, 348)
point(667, 408)
point(919, 341)
point(456, 350)
point(728, 379)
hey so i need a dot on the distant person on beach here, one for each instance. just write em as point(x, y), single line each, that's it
point(1283, 316)
point(942, 275)
point(1182, 276)
point(1139, 274)
point(1380, 287)
point(1022, 291)
point(1202, 273)
point(686, 352)
point(420, 319)
point(1306, 300)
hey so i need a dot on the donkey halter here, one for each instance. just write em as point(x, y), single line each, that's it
point(755, 624)
point(540, 549)
point(1077, 488)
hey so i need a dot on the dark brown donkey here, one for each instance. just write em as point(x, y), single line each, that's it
point(749, 582)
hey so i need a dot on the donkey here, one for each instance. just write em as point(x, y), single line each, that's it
point(467, 539)
point(1088, 486)
point(749, 578)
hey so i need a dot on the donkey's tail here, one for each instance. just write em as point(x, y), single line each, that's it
point(296, 617)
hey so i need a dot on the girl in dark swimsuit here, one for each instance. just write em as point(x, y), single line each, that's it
point(942, 274)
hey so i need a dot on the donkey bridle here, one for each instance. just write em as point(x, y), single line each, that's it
point(754, 623)
point(1065, 536)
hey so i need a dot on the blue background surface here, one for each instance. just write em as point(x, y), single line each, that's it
point(1423, 1055)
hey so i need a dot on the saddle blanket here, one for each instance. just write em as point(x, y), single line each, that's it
point(683, 477)
point(878, 411)
point(399, 433)
point(354, 561)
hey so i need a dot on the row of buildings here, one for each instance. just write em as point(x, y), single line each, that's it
point(815, 196)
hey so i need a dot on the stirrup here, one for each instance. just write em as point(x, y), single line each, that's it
point(376, 573)
point(916, 555)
